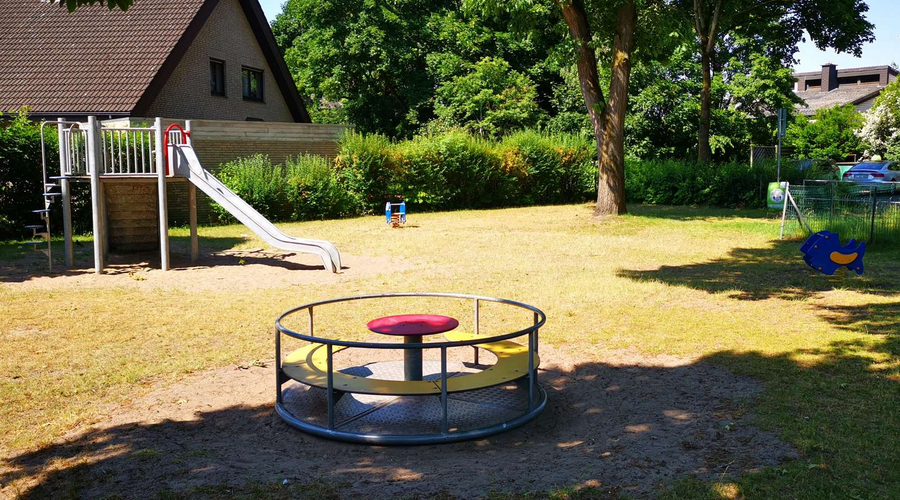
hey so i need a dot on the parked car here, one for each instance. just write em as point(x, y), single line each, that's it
point(874, 171)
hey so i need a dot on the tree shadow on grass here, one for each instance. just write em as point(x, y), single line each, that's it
point(620, 428)
point(777, 271)
point(686, 213)
point(630, 428)
point(24, 266)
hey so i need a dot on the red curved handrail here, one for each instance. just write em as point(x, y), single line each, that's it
point(185, 133)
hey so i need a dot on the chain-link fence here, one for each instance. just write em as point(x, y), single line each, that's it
point(760, 154)
point(868, 212)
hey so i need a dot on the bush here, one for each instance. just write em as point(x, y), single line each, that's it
point(733, 185)
point(830, 134)
point(305, 188)
point(556, 168)
point(366, 168)
point(21, 181)
point(455, 170)
point(314, 190)
point(258, 182)
point(451, 171)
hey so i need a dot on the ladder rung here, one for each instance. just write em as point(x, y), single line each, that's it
point(44, 235)
point(41, 211)
point(50, 185)
point(52, 194)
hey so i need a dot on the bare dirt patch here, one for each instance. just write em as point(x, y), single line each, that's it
point(217, 271)
point(617, 420)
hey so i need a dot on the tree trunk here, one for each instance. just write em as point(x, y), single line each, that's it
point(607, 119)
point(611, 187)
point(588, 77)
point(704, 152)
point(706, 24)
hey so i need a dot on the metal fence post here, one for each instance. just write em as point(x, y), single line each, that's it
point(161, 166)
point(874, 209)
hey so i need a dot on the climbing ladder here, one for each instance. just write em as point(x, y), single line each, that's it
point(40, 233)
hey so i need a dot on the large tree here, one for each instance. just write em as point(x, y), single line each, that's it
point(779, 25)
point(746, 92)
point(379, 65)
point(607, 116)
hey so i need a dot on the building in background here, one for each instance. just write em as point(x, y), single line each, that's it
point(179, 59)
point(836, 87)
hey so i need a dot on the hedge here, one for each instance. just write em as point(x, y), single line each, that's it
point(454, 170)
point(731, 185)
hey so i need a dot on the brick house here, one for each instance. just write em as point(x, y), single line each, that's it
point(181, 59)
point(834, 87)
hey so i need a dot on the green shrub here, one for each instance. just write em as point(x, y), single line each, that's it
point(366, 168)
point(314, 190)
point(455, 170)
point(556, 168)
point(452, 170)
point(734, 185)
point(258, 182)
point(21, 181)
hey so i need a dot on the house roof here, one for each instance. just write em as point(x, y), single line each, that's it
point(866, 69)
point(102, 61)
point(850, 94)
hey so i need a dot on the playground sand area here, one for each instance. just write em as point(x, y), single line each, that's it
point(225, 270)
point(617, 421)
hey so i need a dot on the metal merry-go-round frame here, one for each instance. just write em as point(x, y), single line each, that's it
point(536, 395)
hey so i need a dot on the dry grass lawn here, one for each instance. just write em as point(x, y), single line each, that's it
point(698, 283)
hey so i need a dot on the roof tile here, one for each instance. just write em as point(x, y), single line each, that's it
point(108, 57)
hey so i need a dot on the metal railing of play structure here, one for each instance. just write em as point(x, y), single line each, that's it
point(864, 211)
point(123, 151)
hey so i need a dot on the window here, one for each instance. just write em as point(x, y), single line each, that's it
point(217, 77)
point(252, 80)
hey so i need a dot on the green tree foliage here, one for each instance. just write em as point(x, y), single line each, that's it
point(378, 64)
point(722, 27)
point(881, 127)
point(490, 100)
point(665, 100)
point(830, 134)
point(21, 182)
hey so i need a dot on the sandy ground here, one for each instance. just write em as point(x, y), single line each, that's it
point(214, 271)
point(615, 420)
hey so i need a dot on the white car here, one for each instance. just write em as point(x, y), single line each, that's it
point(874, 171)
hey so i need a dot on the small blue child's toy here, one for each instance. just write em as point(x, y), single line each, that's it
point(824, 253)
point(395, 217)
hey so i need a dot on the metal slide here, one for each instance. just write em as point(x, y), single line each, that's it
point(186, 164)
